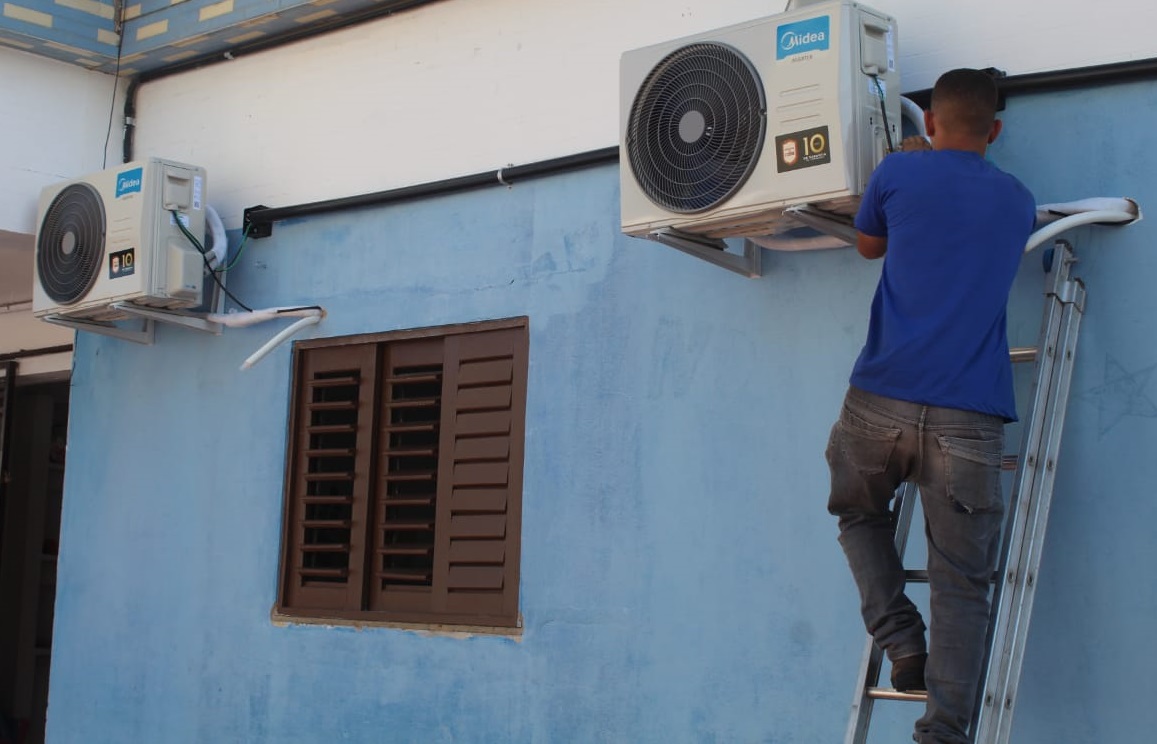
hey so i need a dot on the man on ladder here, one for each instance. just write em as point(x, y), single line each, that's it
point(930, 394)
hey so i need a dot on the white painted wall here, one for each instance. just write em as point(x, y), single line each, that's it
point(53, 122)
point(459, 87)
point(20, 331)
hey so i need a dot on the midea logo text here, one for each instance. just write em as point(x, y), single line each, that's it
point(791, 39)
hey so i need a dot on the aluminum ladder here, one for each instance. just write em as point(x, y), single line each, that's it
point(1026, 521)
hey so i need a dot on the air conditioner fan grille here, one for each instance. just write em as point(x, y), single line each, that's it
point(70, 248)
point(696, 128)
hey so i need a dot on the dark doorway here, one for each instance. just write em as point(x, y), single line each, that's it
point(35, 421)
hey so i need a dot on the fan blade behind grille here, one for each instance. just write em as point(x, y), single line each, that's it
point(70, 247)
point(697, 127)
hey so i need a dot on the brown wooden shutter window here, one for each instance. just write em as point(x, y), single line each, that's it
point(404, 476)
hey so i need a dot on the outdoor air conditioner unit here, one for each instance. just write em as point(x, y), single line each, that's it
point(112, 238)
point(720, 132)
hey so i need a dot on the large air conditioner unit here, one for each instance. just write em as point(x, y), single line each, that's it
point(721, 131)
point(112, 237)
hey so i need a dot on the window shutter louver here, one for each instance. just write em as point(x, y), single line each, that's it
point(330, 471)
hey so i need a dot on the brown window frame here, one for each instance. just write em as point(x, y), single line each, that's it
point(403, 480)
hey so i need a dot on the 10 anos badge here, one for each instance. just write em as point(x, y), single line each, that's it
point(802, 149)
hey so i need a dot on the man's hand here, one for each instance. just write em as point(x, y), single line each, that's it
point(871, 246)
point(915, 143)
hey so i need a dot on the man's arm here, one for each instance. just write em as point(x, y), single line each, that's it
point(871, 246)
point(871, 221)
point(871, 213)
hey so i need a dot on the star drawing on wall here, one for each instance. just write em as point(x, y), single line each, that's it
point(1121, 394)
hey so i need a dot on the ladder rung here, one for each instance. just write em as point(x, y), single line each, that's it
point(1022, 354)
point(887, 693)
point(1009, 462)
point(920, 576)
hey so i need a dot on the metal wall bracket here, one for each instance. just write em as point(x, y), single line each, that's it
point(143, 335)
point(253, 228)
point(750, 264)
point(836, 225)
point(167, 316)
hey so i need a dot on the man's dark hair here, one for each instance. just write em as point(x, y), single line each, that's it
point(965, 100)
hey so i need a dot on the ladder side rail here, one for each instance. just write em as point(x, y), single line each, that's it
point(1022, 481)
point(873, 659)
point(1020, 501)
point(998, 727)
point(1022, 504)
point(1031, 560)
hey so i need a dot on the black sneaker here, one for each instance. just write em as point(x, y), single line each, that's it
point(908, 673)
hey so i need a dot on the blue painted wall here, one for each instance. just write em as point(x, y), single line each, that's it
point(681, 581)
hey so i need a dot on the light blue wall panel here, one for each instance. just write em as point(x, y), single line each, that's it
point(681, 581)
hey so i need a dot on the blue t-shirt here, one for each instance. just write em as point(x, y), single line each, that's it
point(956, 227)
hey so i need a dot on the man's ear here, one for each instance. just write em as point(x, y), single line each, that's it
point(929, 123)
point(996, 127)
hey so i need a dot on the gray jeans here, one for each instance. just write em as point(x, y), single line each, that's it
point(954, 457)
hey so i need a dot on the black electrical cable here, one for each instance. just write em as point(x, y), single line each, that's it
point(116, 78)
point(240, 250)
point(884, 113)
point(201, 250)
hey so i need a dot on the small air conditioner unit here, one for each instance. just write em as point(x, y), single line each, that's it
point(112, 237)
point(720, 132)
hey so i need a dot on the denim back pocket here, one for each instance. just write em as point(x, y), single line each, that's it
point(863, 445)
point(972, 471)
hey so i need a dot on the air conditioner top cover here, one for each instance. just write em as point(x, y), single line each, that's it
point(720, 131)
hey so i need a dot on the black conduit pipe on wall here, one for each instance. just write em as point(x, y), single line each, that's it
point(29, 353)
point(1067, 79)
point(130, 118)
point(259, 220)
